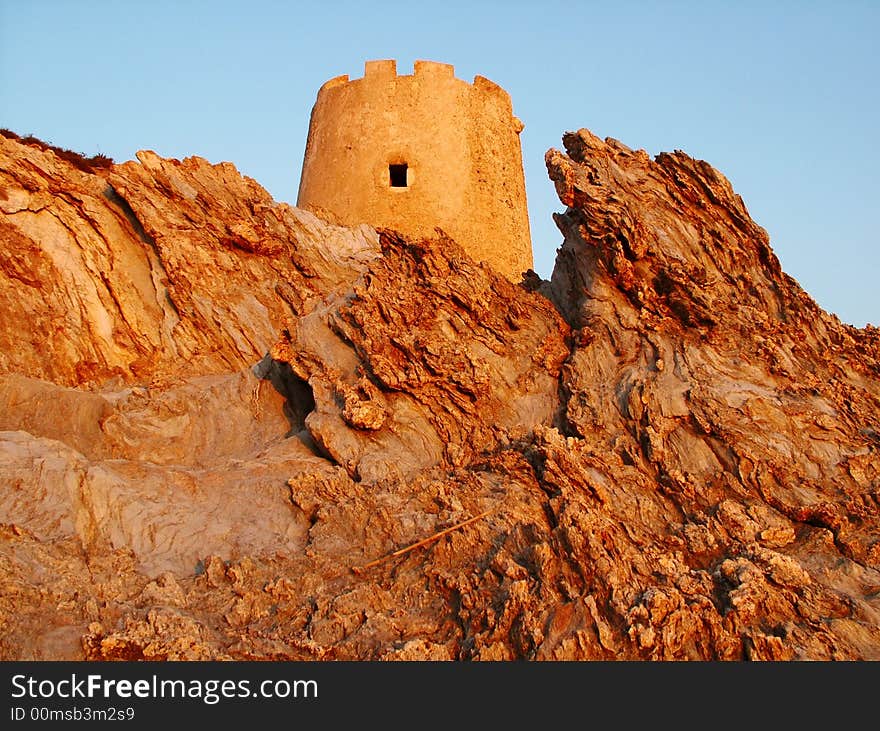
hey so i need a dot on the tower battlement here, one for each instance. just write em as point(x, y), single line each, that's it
point(386, 70)
point(417, 151)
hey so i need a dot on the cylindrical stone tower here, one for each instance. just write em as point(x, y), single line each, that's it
point(417, 152)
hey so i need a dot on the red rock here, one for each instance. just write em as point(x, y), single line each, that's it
point(672, 450)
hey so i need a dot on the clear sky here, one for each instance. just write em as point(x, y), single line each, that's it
point(782, 97)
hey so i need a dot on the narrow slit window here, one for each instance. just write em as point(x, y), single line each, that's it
point(397, 175)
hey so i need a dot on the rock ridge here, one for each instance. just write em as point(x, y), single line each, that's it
point(231, 430)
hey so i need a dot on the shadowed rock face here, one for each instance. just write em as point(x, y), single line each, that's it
point(221, 416)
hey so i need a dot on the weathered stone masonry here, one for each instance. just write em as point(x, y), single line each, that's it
point(417, 152)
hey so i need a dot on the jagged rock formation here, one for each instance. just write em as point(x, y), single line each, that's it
point(157, 268)
point(222, 418)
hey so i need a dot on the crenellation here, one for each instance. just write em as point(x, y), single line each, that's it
point(335, 81)
point(433, 68)
point(484, 84)
point(492, 91)
point(383, 68)
point(387, 69)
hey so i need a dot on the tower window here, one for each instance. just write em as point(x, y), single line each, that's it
point(397, 175)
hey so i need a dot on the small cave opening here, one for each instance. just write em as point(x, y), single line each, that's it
point(299, 400)
point(398, 175)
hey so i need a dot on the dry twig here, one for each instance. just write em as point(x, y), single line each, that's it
point(418, 544)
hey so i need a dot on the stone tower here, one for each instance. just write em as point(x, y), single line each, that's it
point(417, 152)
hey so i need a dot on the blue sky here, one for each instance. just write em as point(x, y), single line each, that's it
point(781, 97)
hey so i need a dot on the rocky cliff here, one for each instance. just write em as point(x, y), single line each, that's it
point(231, 430)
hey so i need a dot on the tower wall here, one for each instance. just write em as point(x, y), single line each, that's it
point(459, 142)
